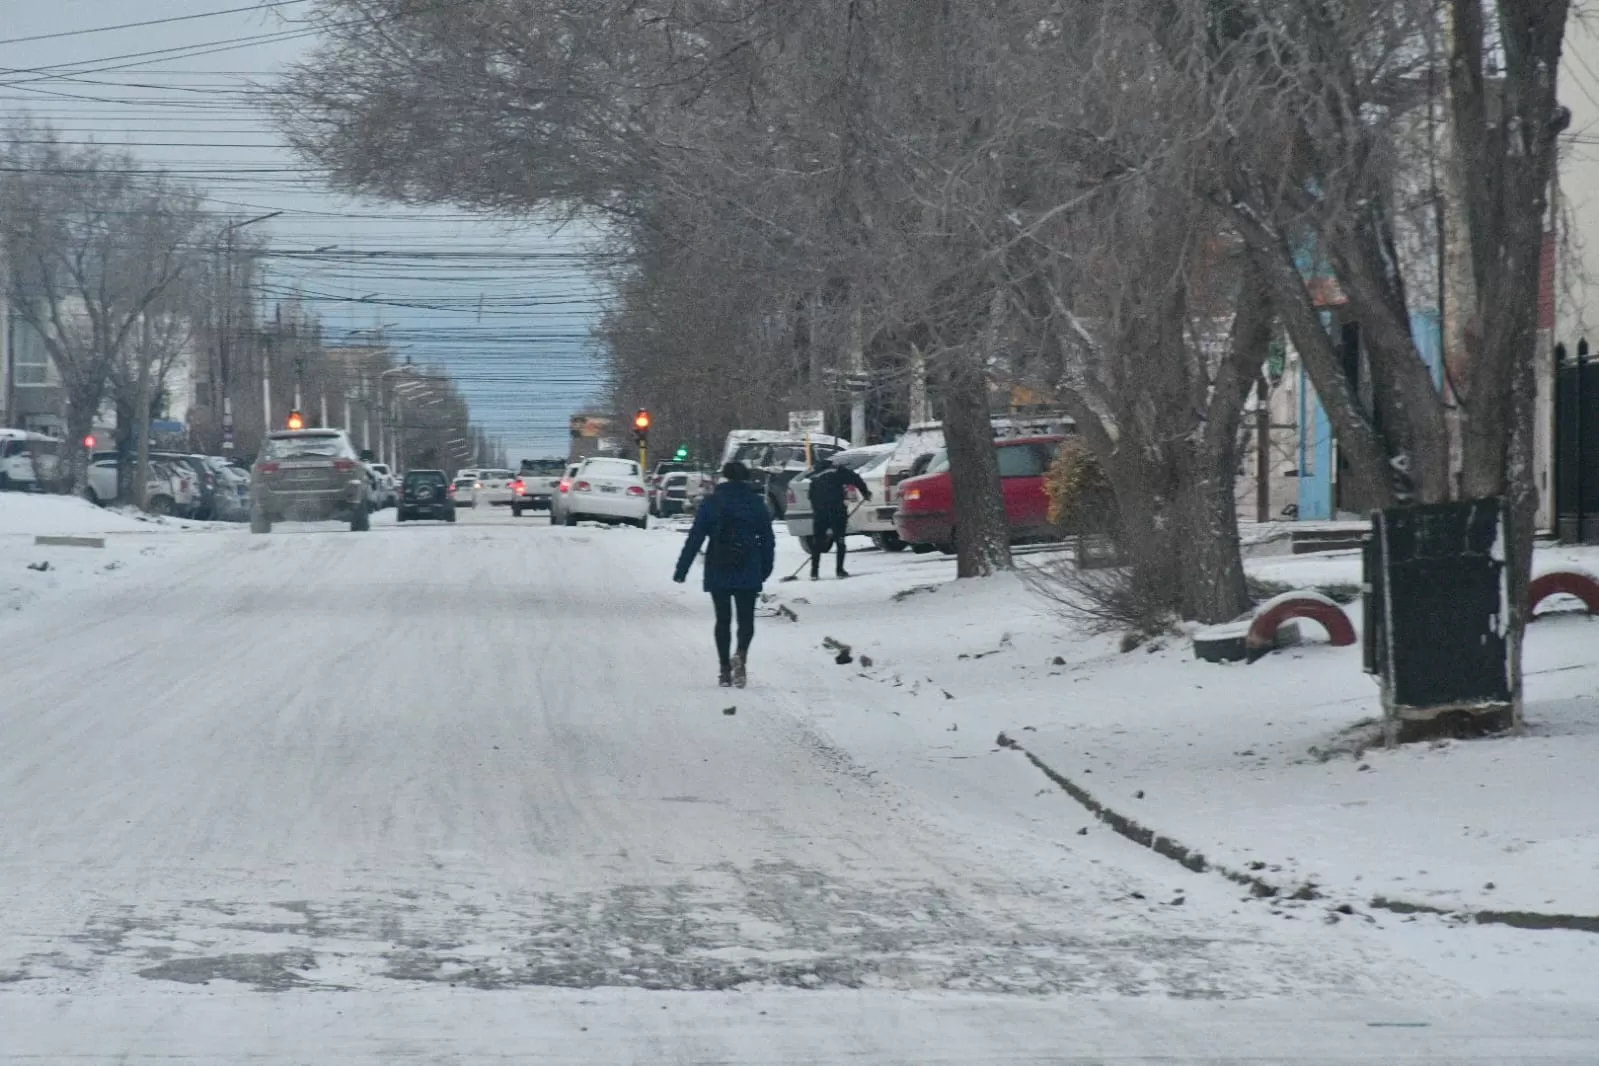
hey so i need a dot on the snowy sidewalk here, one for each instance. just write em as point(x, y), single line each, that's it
point(31, 573)
point(1252, 766)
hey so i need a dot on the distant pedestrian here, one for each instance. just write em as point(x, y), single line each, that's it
point(736, 528)
point(829, 515)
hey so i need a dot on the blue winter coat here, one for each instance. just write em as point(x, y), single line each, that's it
point(734, 501)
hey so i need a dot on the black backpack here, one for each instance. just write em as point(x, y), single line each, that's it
point(727, 550)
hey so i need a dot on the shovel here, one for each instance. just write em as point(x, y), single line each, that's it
point(806, 561)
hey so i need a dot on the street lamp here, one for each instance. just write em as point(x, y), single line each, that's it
point(226, 327)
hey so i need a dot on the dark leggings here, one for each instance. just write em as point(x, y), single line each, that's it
point(828, 524)
point(724, 603)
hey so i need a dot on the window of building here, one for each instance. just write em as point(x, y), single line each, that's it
point(30, 359)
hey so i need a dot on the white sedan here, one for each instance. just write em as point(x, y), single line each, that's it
point(607, 490)
point(493, 487)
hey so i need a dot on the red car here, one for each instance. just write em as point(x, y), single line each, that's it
point(926, 515)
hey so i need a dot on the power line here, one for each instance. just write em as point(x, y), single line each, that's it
point(152, 22)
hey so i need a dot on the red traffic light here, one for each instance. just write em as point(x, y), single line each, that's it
point(641, 421)
point(88, 442)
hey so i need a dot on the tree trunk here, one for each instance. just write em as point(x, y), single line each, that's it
point(126, 440)
point(982, 534)
point(80, 423)
point(1212, 569)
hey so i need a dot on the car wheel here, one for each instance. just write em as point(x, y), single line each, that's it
point(400, 514)
point(553, 519)
point(643, 523)
point(516, 511)
point(450, 517)
point(361, 520)
point(571, 519)
point(921, 549)
point(259, 522)
point(160, 505)
point(888, 542)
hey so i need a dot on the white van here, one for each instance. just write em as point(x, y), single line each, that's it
point(29, 462)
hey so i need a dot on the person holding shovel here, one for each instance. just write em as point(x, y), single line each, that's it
point(829, 515)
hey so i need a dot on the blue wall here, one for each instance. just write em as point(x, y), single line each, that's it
point(1316, 452)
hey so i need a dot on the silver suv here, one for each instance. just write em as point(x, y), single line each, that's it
point(309, 475)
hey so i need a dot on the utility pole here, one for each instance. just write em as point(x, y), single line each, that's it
point(857, 377)
point(1262, 450)
point(225, 333)
point(266, 388)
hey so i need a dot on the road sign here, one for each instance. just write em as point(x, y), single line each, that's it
point(801, 422)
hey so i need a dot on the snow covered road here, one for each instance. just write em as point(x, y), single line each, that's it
point(285, 798)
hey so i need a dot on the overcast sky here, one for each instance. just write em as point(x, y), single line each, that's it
point(508, 312)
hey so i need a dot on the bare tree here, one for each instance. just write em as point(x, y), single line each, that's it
point(93, 247)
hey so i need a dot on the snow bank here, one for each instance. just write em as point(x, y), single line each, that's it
point(31, 513)
point(30, 573)
point(1221, 757)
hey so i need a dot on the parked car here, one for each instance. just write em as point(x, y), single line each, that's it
point(187, 498)
point(29, 462)
point(308, 475)
point(607, 490)
point(104, 487)
point(233, 490)
point(797, 511)
point(425, 494)
point(652, 484)
point(679, 492)
point(388, 486)
point(926, 515)
point(776, 458)
point(536, 484)
point(563, 494)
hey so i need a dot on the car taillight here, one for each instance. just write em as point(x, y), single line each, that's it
point(635, 490)
point(344, 466)
point(582, 486)
point(912, 494)
point(269, 468)
point(449, 490)
point(518, 488)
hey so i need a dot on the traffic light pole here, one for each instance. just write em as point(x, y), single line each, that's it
point(643, 458)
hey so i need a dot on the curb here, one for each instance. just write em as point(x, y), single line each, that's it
point(1192, 859)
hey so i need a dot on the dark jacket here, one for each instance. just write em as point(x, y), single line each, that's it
point(750, 525)
point(827, 489)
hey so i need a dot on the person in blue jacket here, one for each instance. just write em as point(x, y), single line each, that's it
point(736, 529)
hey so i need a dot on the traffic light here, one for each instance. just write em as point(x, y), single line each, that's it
point(88, 442)
point(296, 420)
point(682, 453)
point(641, 424)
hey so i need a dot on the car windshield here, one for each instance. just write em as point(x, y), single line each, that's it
point(424, 477)
point(611, 468)
point(542, 467)
point(319, 446)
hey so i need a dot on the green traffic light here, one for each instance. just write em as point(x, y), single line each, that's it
point(682, 451)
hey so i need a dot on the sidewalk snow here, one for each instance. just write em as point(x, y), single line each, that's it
point(34, 513)
point(30, 572)
point(1251, 765)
